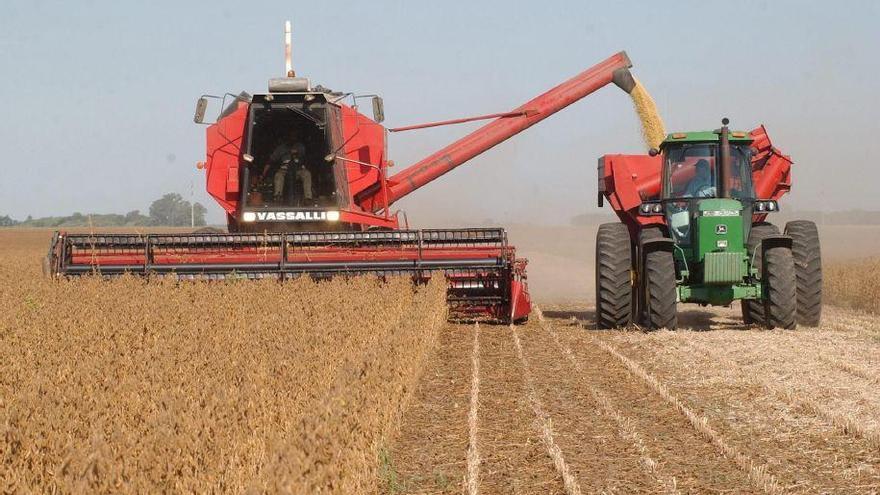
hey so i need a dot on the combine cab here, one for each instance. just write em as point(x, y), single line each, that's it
point(304, 179)
point(693, 229)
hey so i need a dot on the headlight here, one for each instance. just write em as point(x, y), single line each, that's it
point(766, 205)
point(651, 208)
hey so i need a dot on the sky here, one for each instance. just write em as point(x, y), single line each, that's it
point(99, 96)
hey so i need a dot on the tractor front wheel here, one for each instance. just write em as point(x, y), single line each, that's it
point(613, 276)
point(780, 286)
point(660, 290)
point(808, 269)
point(753, 309)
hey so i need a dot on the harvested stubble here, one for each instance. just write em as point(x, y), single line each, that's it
point(134, 386)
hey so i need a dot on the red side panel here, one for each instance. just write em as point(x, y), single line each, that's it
point(626, 181)
point(364, 142)
point(224, 152)
point(771, 170)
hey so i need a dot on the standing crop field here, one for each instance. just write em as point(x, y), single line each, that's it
point(136, 386)
point(359, 387)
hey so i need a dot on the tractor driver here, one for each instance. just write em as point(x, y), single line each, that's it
point(702, 185)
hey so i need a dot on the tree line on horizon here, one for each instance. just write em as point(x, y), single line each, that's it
point(171, 210)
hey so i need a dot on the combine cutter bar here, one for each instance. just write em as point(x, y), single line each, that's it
point(484, 278)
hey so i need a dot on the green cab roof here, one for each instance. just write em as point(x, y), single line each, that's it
point(704, 137)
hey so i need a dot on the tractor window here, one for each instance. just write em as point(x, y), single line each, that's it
point(690, 171)
point(289, 170)
point(740, 186)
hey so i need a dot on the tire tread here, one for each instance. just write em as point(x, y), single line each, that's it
point(661, 290)
point(808, 269)
point(613, 276)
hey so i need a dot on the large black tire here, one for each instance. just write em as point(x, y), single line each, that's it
point(613, 276)
point(808, 269)
point(780, 285)
point(660, 290)
point(752, 309)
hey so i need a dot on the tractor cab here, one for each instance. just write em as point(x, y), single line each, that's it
point(694, 186)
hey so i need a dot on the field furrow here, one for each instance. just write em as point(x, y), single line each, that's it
point(429, 454)
point(680, 445)
point(514, 455)
point(597, 452)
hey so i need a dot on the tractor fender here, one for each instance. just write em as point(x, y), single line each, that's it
point(657, 244)
point(776, 240)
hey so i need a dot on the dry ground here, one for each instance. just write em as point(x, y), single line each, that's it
point(556, 406)
point(715, 407)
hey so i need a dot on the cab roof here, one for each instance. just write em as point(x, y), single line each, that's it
point(741, 137)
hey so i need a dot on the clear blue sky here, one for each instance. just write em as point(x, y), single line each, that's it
point(99, 95)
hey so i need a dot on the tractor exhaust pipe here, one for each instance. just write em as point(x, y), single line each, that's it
point(724, 157)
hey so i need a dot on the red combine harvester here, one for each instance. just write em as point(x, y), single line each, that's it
point(304, 179)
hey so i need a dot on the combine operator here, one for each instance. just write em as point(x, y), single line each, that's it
point(289, 156)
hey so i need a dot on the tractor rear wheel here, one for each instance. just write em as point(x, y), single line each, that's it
point(613, 276)
point(808, 269)
point(780, 286)
point(660, 290)
point(753, 309)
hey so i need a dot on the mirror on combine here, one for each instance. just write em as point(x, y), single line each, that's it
point(201, 108)
point(378, 109)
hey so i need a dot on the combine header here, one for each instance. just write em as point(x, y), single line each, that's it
point(304, 179)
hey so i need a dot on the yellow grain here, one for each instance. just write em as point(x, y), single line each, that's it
point(653, 130)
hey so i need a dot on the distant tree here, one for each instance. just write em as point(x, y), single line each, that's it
point(6, 221)
point(171, 209)
point(133, 216)
point(200, 211)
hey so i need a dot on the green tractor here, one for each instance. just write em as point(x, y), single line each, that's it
point(703, 239)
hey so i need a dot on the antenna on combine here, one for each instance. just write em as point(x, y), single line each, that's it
point(288, 63)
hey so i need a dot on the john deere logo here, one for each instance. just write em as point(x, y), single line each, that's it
point(721, 229)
